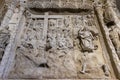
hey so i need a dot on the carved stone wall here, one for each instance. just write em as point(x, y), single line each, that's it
point(58, 43)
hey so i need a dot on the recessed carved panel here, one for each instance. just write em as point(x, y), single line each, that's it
point(71, 49)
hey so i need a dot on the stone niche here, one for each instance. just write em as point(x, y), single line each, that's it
point(60, 47)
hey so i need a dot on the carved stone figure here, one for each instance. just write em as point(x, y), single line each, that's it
point(51, 39)
point(68, 38)
point(51, 36)
point(106, 70)
point(67, 21)
point(52, 23)
point(86, 40)
point(62, 42)
point(115, 37)
point(83, 68)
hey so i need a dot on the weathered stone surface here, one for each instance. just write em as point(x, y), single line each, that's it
point(4, 40)
point(60, 4)
point(60, 39)
point(3, 9)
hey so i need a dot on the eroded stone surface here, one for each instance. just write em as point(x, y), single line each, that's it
point(4, 40)
point(62, 55)
point(56, 40)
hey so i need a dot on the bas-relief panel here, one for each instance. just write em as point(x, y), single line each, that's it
point(72, 49)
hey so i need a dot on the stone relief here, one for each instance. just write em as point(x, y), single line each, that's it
point(113, 28)
point(70, 40)
point(86, 40)
point(32, 38)
point(114, 34)
point(59, 39)
point(4, 40)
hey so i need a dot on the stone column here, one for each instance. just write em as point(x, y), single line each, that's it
point(17, 22)
point(111, 50)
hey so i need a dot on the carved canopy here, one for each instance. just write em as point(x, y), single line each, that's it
point(60, 4)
